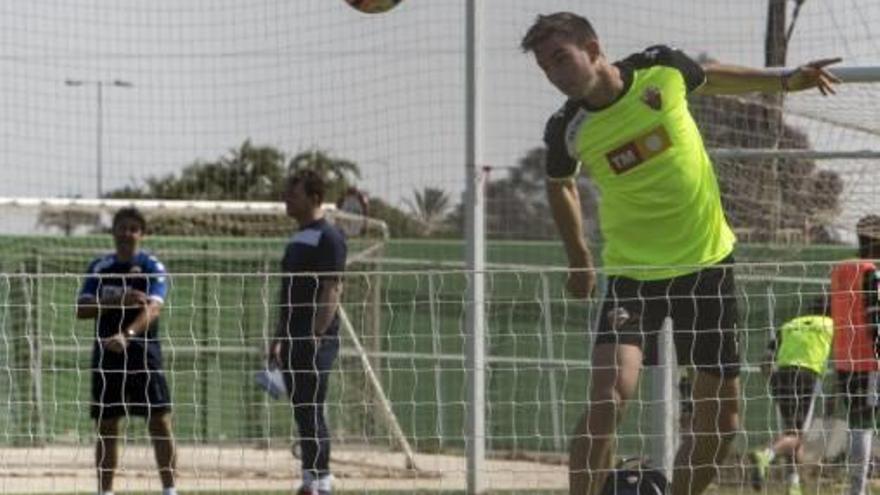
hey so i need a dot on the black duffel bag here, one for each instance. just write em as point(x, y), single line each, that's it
point(635, 477)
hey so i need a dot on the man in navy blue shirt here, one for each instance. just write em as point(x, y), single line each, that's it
point(124, 292)
point(307, 340)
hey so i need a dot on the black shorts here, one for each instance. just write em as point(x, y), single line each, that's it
point(793, 391)
point(859, 392)
point(702, 306)
point(117, 393)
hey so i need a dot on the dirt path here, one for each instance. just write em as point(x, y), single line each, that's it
point(70, 469)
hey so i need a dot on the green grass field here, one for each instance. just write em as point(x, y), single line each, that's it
point(213, 328)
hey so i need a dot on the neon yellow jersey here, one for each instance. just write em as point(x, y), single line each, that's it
point(806, 342)
point(660, 208)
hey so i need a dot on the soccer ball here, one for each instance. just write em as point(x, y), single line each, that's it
point(373, 6)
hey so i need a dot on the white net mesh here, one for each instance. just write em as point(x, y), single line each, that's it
point(216, 101)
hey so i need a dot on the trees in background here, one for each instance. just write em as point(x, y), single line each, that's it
point(430, 207)
point(766, 198)
point(251, 173)
point(245, 173)
point(761, 198)
point(516, 204)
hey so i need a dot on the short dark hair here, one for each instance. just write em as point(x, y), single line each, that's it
point(868, 232)
point(571, 26)
point(313, 183)
point(130, 213)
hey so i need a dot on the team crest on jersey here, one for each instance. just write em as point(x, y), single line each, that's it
point(652, 97)
point(135, 269)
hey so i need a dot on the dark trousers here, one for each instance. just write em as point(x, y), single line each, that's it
point(307, 376)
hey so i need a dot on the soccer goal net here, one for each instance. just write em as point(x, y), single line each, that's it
point(219, 317)
point(196, 112)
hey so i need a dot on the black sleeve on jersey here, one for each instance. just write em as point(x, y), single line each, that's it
point(693, 73)
point(332, 252)
point(560, 165)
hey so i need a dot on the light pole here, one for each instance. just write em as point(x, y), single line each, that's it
point(99, 127)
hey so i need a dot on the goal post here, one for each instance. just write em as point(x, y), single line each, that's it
point(852, 74)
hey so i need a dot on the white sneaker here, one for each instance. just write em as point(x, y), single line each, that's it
point(324, 485)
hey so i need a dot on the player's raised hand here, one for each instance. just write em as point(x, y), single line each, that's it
point(581, 282)
point(812, 75)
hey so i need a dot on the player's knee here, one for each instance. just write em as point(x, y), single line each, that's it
point(791, 432)
point(160, 425)
point(728, 422)
point(728, 436)
point(724, 422)
point(109, 428)
point(605, 395)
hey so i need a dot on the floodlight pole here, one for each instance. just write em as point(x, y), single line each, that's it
point(99, 126)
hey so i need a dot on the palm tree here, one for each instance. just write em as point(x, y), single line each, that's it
point(429, 206)
point(249, 172)
point(253, 172)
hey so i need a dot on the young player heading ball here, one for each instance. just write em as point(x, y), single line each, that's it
point(668, 247)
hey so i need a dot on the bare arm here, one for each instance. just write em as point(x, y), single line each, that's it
point(144, 319)
point(89, 307)
point(329, 294)
point(732, 79)
point(119, 341)
point(565, 205)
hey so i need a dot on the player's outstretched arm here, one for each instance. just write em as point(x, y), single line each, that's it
point(732, 79)
point(565, 204)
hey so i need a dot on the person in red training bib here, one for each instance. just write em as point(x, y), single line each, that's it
point(855, 303)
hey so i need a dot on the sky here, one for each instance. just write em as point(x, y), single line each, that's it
point(386, 91)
